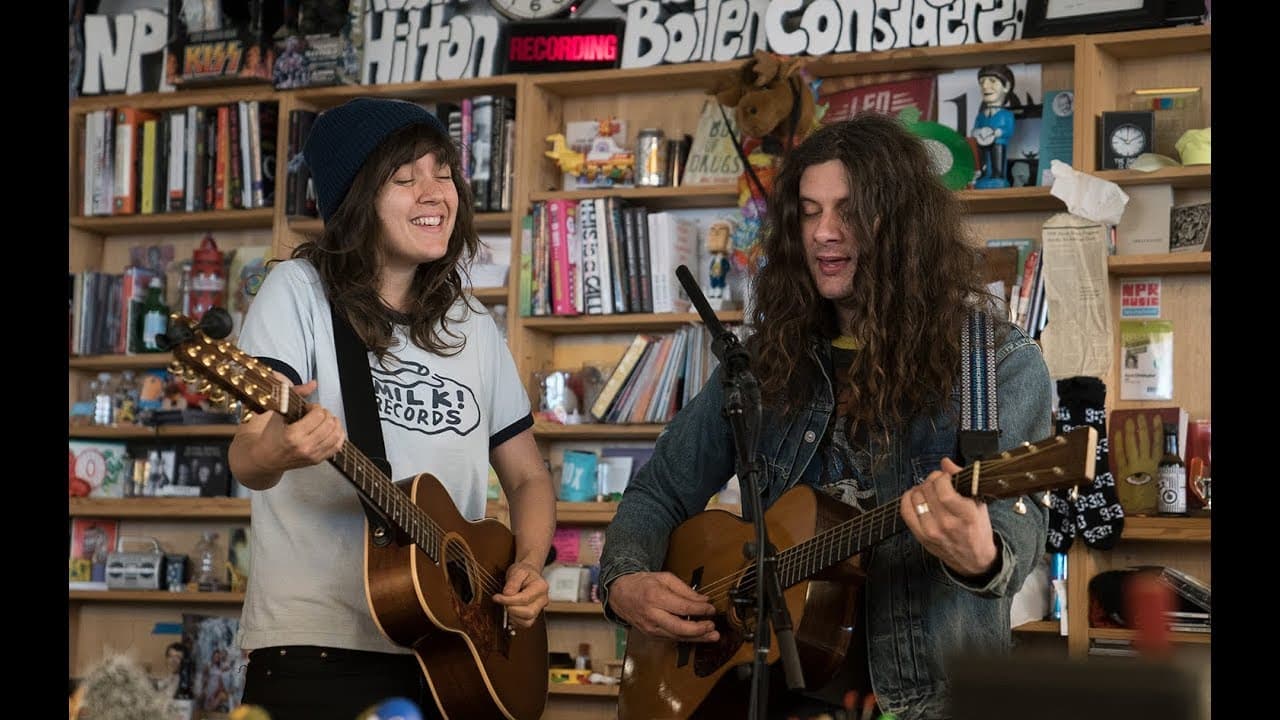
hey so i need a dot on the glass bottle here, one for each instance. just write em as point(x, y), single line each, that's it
point(155, 317)
point(104, 400)
point(1171, 476)
point(206, 556)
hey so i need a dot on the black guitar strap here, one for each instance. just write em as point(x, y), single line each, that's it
point(364, 429)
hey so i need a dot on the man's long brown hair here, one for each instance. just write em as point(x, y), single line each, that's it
point(348, 254)
point(915, 282)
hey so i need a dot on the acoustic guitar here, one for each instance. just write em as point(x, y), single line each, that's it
point(431, 587)
point(816, 540)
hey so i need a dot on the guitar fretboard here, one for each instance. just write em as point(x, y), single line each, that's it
point(378, 489)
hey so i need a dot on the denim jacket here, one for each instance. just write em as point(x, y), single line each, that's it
point(917, 611)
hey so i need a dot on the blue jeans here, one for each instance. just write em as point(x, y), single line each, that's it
point(304, 682)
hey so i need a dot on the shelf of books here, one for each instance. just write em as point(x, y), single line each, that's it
point(155, 596)
point(168, 508)
point(658, 198)
point(1163, 264)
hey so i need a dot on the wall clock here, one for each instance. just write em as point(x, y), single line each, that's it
point(1123, 137)
point(537, 9)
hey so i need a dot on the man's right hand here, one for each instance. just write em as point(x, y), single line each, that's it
point(659, 604)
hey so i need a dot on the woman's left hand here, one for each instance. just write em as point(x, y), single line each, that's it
point(524, 594)
point(954, 528)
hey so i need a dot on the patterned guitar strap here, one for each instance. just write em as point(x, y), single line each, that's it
point(979, 435)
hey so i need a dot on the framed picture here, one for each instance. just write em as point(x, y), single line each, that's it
point(1068, 17)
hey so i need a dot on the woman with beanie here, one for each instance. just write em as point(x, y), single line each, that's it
point(387, 272)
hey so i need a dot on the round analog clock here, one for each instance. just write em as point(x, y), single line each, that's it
point(537, 9)
point(1128, 140)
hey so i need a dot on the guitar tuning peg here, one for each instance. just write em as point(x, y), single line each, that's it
point(1019, 507)
point(245, 414)
point(1075, 493)
point(218, 398)
point(176, 367)
point(203, 387)
point(1045, 499)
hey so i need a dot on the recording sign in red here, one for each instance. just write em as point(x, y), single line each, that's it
point(564, 45)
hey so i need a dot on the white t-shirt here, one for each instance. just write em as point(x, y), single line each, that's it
point(439, 414)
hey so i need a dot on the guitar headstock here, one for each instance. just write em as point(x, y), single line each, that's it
point(1056, 462)
point(222, 369)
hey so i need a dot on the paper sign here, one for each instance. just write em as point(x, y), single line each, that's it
point(1140, 298)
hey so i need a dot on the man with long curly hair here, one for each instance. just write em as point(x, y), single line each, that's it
point(389, 268)
point(867, 284)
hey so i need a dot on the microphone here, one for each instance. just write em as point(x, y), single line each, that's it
point(723, 342)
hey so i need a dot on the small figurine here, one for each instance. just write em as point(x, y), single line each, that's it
point(993, 127)
point(718, 243)
point(605, 164)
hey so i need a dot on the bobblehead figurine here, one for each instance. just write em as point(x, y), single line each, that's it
point(993, 127)
point(718, 235)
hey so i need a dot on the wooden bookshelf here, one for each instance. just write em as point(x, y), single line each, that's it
point(1161, 264)
point(155, 596)
point(585, 513)
point(490, 295)
point(161, 507)
point(1180, 177)
point(1013, 199)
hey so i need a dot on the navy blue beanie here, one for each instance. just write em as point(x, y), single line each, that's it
point(342, 138)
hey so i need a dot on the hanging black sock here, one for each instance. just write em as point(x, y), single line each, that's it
point(1099, 518)
point(1062, 522)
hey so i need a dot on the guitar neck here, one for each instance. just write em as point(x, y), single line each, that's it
point(841, 542)
point(377, 488)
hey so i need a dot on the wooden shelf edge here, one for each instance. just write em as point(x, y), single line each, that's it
point(575, 608)
point(154, 596)
point(195, 223)
point(1042, 627)
point(606, 691)
point(143, 432)
point(160, 507)
point(597, 431)
point(1185, 638)
point(1167, 529)
point(621, 322)
point(120, 362)
point(1160, 264)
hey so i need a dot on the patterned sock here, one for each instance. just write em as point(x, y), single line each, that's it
point(1062, 522)
point(1099, 519)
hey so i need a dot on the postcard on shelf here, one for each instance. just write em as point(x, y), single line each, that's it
point(1144, 226)
point(713, 158)
point(1140, 297)
point(1189, 227)
point(91, 540)
point(1147, 369)
point(1056, 132)
point(98, 468)
point(887, 97)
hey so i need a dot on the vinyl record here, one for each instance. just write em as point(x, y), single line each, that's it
point(952, 157)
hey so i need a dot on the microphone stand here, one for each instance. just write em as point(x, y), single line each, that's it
point(741, 407)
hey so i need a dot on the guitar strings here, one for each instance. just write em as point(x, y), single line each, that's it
point(807, 551)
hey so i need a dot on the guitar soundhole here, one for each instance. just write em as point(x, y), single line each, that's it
point(460, 580)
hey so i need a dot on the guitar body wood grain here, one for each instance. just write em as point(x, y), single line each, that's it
point(445, 612)
point(666, 680)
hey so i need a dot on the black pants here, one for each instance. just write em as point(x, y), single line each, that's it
point(303, 682)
